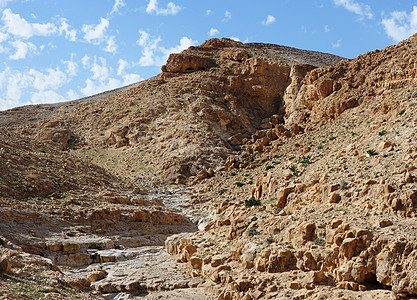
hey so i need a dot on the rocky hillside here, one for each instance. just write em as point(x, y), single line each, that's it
point(191, 117)
point(324, 205)
point(305, 164)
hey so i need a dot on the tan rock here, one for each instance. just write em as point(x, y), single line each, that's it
point(5, 265)
point(96, 275)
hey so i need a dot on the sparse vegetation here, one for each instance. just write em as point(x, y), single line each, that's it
point(383, 132)
point(319, 241)
point(342, 185)
point(252, 232)
point(306, 160)
point(371, 152)
point(222, 191)
point(294, 170)
point(252, 202)
point(269, 240)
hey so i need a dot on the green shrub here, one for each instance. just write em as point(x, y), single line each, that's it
point(306, 160)
point(239, 184)
point(222, 191)
point(383, 132)
point(319, 241)
point(269, 167)
point(252, 202)
point(294, 170)
point(371, 152)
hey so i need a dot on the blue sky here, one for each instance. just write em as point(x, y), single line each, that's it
point(57, 50)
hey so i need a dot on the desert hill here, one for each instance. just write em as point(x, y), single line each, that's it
point(206, 100)
point(300, 166)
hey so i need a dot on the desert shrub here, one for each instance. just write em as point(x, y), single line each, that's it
point(319, 241)
point(252, 232)
point(371, 152)
point(252, 202)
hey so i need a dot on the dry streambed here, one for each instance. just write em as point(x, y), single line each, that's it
point(113, 249)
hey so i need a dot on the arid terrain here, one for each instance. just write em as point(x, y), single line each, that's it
point(241, 171)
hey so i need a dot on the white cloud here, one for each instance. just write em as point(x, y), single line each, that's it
point(22, 49)
point(92, 87)
point(70, 34)
point(111, 45)
point(362, 10)
point(171, 8)
point(122, 66)
point(326, 28)
point(269, 20)
point(209, 12)
point(96, 33)
point(85, 61)
point(213, 32)
point(235, 38)
point(3, 37)
point(15, 82)
point(8, 104)
point(19, 27)
point(149, 46)
point(117, 5)
point(47, 97)
point(131, 78)
point(100, 71)
point(40, 85)
point(72, 95)
point(52, 79)
point(401, 25)
point(338, 44)
point(71, 66)
point(185, 43)
point(227, 16)
point(155, 55)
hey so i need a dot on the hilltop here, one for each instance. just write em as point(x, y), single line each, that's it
point(299, 165)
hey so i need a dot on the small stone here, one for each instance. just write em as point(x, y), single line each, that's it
point(336, 223)
point(97, 275)
point(196, 263)
point(5, 266)
point(385, 223)
point(334, 198)
point(294, 285)
point(362, 288)
point(257, 294)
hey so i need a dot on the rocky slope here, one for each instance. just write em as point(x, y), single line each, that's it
point(303, 162)
point(191, 116)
